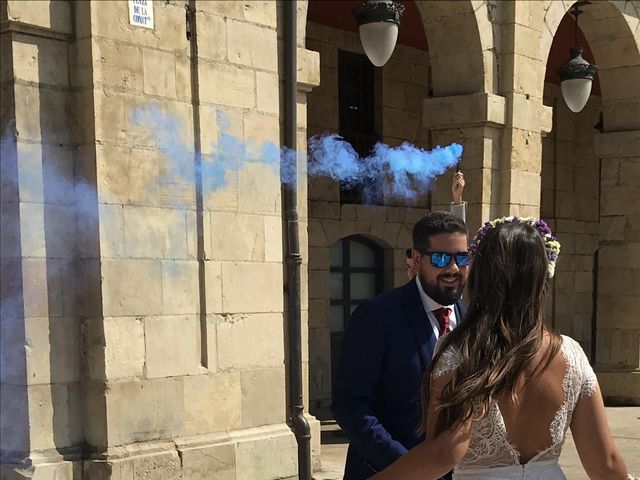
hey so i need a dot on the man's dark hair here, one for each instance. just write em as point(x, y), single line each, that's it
point(434, 223)
point(409, 252)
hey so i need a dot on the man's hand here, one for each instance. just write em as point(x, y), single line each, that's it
point(457, 187)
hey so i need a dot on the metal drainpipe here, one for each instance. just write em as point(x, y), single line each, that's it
point(294, 259)
point(192, 36)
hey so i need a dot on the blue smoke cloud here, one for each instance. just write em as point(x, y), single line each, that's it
point(408, 170)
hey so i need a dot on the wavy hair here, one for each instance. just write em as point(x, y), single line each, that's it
point(503, 328)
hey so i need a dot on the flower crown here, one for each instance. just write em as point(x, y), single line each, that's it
point(551, 243)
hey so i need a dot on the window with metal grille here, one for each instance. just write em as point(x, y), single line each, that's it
point(357, 274)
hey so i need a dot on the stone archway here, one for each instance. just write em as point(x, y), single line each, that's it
point(613, 241)
point(413, 73)
point(609, 29)
point(460, 38)
point(465, 104)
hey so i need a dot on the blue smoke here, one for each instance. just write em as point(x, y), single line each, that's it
point(407, 170)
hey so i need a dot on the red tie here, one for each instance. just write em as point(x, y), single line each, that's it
point(443, 316)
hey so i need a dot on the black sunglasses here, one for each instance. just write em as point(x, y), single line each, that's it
point(443, 259)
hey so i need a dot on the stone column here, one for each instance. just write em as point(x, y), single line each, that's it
point(476, 121)
point(41, 432)
point(521, 82)
point(618, 327)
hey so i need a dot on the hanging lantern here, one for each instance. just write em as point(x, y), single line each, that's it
point(577, 74)
point(379, 21)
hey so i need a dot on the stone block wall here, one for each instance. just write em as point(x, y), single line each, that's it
point(221, 370)
point(588, 197)
point(570, 202)
point(112, 282)
point(618, 341)
point(41, 370)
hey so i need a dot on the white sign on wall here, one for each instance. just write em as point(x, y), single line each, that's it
point(141, 13)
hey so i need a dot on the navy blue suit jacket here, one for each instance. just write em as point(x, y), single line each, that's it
point(387, 346)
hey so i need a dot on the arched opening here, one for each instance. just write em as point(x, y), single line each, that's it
point(362, 103)
point(590, 188)
point(356, 268)
point(570, 194)
point(366, 104)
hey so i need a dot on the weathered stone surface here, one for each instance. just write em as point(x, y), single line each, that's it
point(308, 75)
point(227, 85)
point(268, 456)
point(212, 36)
point(262, 404)
point(154, 232)
point(124, 351)
point(156, 467)
point(121, 292)
point(212, 403)
point(217, 461)
point(263, 12)
point(618, 347)
point(42, 61)
point(251, 287)
point(51, 14)
point(154, 409)
point(180, 356)
point(53, 419)
point(119, 65)
point(252, 45)
point(241, 345)
point(180, 291)
point(620, 387)
point(267, 88)
point(273, 239)
point(159, 73)
point(258, 189)
point(456, 111)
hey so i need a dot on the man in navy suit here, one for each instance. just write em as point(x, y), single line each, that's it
point(388, 344)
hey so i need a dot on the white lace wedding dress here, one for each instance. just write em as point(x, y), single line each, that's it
point(492, 457)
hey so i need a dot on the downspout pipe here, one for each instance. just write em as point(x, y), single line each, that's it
point(294, 259)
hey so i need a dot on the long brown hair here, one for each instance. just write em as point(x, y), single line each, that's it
point(503, 328)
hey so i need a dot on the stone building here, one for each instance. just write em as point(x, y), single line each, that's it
point(144, 328)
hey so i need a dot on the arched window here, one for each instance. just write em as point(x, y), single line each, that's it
point(357, 266)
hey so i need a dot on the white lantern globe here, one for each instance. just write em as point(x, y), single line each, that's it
point(576, 92)
point(378, 22)
point(379, 41)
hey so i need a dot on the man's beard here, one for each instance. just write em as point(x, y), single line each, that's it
point(441, 294)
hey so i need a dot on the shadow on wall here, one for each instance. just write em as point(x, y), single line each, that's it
point(14, 415)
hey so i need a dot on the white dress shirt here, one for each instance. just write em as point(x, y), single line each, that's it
point(430, 305)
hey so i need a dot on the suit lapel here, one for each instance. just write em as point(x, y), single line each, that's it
point(461, 310)
point(420, 324)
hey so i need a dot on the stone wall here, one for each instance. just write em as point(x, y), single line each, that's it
point(570, 202)
point(41, 325)
point(618, 328)
point(159, 319)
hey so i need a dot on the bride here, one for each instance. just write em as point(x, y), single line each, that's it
point(503, 389)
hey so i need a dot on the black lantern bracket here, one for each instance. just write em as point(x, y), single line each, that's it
point(378, 11)
point(577, 67)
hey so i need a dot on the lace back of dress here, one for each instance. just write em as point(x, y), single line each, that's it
point(489, 445)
